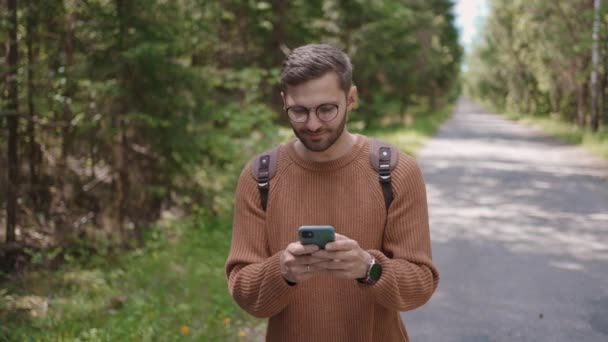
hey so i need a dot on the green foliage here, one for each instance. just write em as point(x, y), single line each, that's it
point(172, 289)
point(403, 52)
point(411, 134)
point(141, 105)
point(535, 57)
point(145, 105)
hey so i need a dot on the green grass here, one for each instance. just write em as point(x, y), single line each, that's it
point(174, 289)
point(596, 143)
point(410, 137)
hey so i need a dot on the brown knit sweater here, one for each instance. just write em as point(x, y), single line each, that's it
point(346, 194)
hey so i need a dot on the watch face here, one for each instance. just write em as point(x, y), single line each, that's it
point(375, 272)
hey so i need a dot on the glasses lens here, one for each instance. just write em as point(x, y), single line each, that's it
point(297, 113)
point(327, 112)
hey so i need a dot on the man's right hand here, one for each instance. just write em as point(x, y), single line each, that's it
point(297, 264)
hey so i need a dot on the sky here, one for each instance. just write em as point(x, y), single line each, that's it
point(469, 18)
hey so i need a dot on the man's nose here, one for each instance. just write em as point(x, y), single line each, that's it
point(313, 123)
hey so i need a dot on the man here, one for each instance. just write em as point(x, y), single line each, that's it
point(325, 178)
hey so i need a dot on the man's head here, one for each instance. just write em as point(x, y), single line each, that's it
point(312, 61)
point(317, 78)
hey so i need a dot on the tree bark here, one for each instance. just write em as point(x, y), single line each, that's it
point(12, 107)
point(604, 97)
point(120, 147)
point(582, 92)
point(595, 109)
point(581, 108)
point(34, 148)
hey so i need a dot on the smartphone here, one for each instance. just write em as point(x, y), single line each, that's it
point(318, 235)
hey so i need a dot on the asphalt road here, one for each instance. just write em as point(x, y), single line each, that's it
point(519, 224)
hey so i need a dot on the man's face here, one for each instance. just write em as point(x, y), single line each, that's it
point(317, 135)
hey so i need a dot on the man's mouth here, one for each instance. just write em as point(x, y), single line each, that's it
point(314, 135)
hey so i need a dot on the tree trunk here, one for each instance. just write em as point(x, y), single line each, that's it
point(556, 100)
point(67, 113)
point(12, 107)
point(34, 148)
point(604, 92)
point(581, 108)
point(604, 98)
point(120, 147)
point(595, 109)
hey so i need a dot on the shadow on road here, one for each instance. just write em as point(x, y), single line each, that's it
point(519, 224)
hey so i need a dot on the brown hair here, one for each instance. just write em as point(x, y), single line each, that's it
point(312, 61)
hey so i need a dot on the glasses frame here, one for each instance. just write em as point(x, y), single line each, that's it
point(316, 111)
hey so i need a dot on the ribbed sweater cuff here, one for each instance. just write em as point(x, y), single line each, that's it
point(386, 287)
point(263, 292)
point(278, 287)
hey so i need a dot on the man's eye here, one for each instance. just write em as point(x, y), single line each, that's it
point(298, 110)
point(327, 108)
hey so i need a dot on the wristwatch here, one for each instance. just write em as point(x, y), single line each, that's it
point(373, 273)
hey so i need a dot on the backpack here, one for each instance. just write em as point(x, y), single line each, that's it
point(383, 157)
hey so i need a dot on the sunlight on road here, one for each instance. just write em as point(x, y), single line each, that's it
point(519, 224)
point(491, 179)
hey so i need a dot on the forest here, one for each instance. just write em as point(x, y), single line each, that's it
point(125, 125)
point(114, 112)
point(546, 58)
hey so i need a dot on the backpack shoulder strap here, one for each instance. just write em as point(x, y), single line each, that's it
point(263, 169)
point(384, 158)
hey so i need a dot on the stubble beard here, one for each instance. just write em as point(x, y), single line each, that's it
point(324, 144)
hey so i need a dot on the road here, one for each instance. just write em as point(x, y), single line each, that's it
point(519, 224)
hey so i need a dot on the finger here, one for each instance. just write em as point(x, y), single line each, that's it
point(342, 245)
point(308, 259)
point(305, 269)
point(342, 255)
point(305, 276)
point(323, 254)
point(334, 265)
point(341, 237)
point(297, 248)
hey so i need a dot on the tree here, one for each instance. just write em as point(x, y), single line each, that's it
point(536, 57)
point(134, 107)
point(12, 112)
point(595, 91)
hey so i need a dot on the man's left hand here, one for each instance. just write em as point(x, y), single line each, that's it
point(345, 259)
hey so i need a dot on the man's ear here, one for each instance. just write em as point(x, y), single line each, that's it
point(351, 99)
point(283, 97)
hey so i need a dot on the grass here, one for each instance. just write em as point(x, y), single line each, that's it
point(596, 143)
point(173, 289)
point(410, 136)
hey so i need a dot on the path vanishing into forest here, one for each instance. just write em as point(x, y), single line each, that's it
point(519, 224)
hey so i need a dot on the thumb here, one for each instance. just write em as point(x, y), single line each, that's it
point(341, 237)
point(308, 249)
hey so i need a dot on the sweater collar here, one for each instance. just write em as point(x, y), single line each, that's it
point(328, 165)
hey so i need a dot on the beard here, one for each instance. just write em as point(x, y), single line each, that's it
point(329, 137)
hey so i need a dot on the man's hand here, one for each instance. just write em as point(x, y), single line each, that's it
point(344, 258)
point(297, 264)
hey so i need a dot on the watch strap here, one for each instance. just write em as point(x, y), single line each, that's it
point(368, 278)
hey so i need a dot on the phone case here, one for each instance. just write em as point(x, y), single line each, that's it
point(318, 235)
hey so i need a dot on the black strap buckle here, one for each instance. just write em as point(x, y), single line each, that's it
point(264, 172)
point(384, 165)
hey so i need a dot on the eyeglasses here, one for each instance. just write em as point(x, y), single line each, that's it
point(324, 112)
